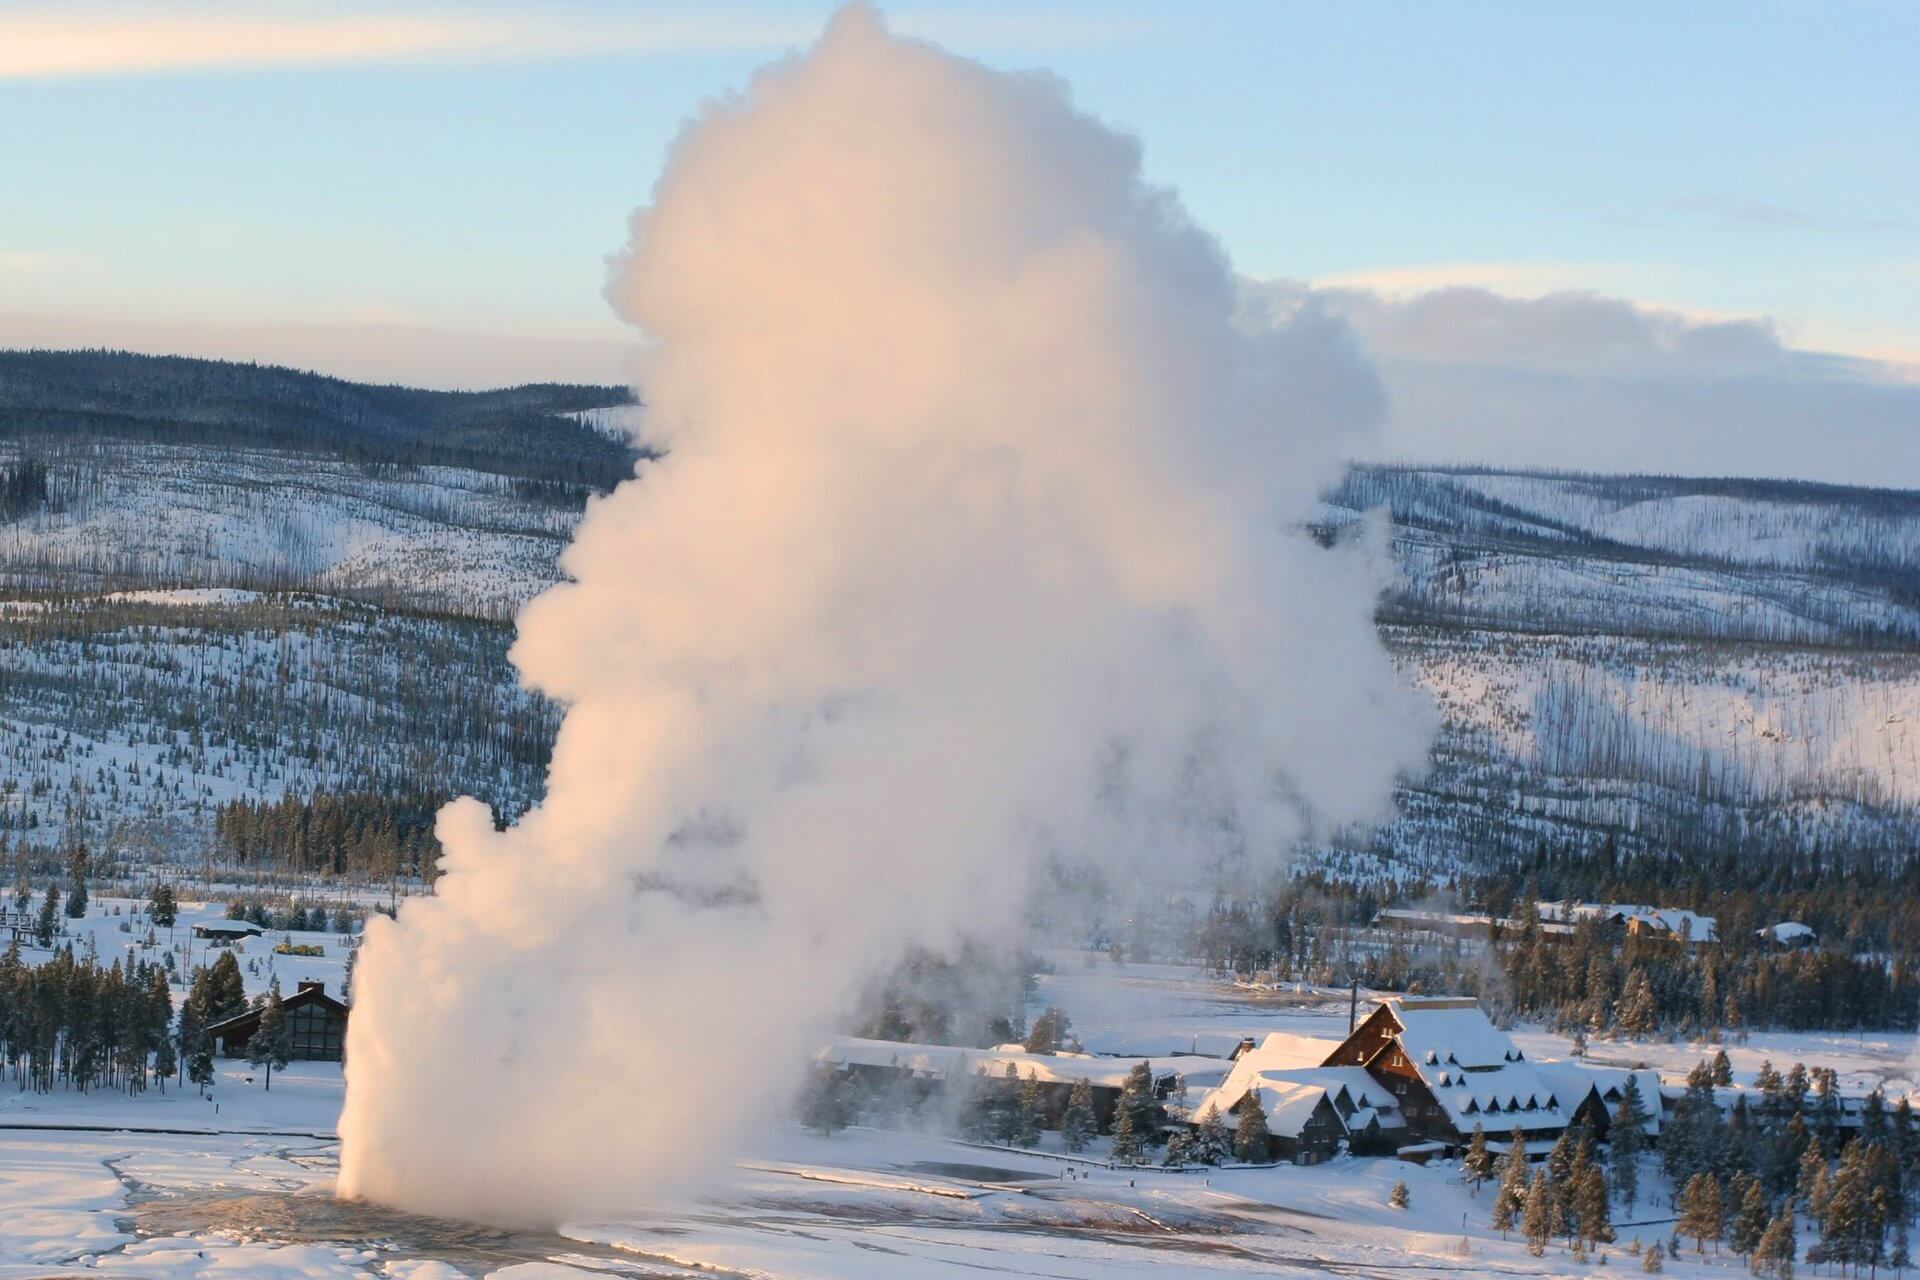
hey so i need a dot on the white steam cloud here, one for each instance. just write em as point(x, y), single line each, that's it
point(976, 543)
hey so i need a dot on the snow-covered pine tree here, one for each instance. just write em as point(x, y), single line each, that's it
point(1701, 1211)
point(1477, 1164)
point(1628, 1141)
point(1773, 1254)
point(271, 1045)
point(1211, 1145)
point(1251, 1140)
point(1536, 1223)
point(1399, 1197)
point(1141, 1107)
point(1509, 1200)
point(823, 1101)
point(1006, 1106)
point(1638, 1015)
point(1128, 1147)
point(1750, 1219)
point(1030, 1112)
point(1079, 1124)
point(1592, 1217)
point(49, 918)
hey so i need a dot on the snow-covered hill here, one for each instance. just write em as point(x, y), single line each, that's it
point(258, 610)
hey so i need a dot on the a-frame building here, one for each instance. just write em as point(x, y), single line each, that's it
point(1451, 1069)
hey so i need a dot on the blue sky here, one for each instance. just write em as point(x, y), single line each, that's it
point(184, 167)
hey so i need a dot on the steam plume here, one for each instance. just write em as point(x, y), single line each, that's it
point(976, 541)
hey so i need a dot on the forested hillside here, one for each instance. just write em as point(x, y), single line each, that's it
point(222, 584)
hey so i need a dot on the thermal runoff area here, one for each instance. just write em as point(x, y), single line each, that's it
point(975, 546)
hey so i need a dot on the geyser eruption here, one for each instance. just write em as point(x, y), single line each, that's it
point(976, 542)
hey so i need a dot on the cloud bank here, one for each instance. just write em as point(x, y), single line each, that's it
point(1578, 380)
point(975, 545)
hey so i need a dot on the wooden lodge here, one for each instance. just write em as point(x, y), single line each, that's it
point(316, 1022)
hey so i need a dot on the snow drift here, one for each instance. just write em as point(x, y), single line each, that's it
point(976, 543)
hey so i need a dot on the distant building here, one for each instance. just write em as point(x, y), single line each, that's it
point(224, 933)
point(882, 1063)
point(317, 1026)
point(1627, 920)
point(1790, 934)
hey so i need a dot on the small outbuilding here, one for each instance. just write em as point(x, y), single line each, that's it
point(224, 933)
point(1790, 934)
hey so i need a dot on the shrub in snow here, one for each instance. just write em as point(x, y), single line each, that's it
point(1399, 1197)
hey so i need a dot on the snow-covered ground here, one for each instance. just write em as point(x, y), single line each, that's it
point(170, 1185)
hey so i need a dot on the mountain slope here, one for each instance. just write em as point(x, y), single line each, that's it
point(294, 585)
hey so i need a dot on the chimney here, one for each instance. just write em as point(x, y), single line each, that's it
point(314, 986)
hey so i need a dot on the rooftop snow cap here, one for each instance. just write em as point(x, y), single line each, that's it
point(976, 541)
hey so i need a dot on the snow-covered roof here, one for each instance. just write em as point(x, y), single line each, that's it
point(1451, 1033)
point(1280, 1051)
point(1788, 931)
point(1673, 921)
point(1572, 1079)
point(1288, 1105)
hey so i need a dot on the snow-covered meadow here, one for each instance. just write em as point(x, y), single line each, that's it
point(239, 1184)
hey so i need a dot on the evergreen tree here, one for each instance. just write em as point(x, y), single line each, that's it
point(49, 918)
point(1592, 1218)
point(1701, 1214)
point(1638, 1014)
point(1652, 1260)
point(977, 1107)
point(1049, 1031)
point(199, 1055)
point(1251, 1141)
point(1030, 1112)
point(1629, 1140)
point(1811, 1183)
point(1722, 1070)
point(1477, 1164)
point(1006, 1106)
point(823, 1101)
point(77, 883)
point(1211, 1143)
point(1143, 1111)
point(1537, 1223)
point(1179, 1151)
point(1128, 1146)
point(1509, 1200)
point(1750, 1219)
point(1080, 1123)
point(271, 1045)
point(1399, 1197)
point(163, 908)
point(1773, 1253)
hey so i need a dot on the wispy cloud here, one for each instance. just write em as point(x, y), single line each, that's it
point(1524, 278)
point(43, 41)
point(92, 41)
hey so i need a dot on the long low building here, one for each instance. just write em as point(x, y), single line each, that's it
point(883, 1062)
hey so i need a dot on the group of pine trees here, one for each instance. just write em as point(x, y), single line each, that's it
point(371, 836)
point(1569, 1195)
point(1742, 1180)
point(1639, 986)
point(71, 1021)
point(74, 1022)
